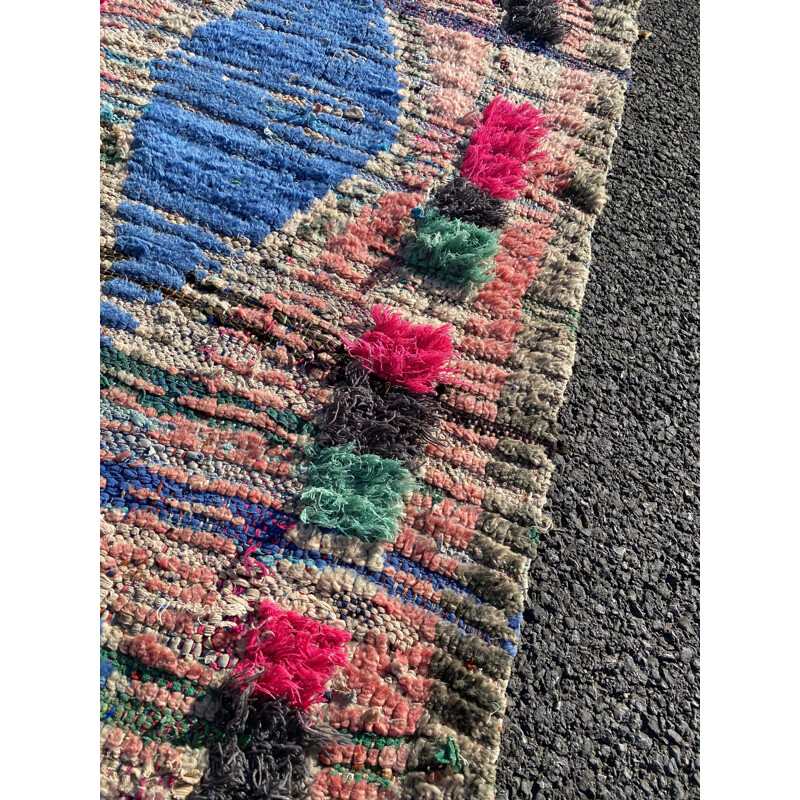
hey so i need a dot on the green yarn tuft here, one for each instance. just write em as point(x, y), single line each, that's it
point(358, 495)
point(450, 755)
point(453, 250)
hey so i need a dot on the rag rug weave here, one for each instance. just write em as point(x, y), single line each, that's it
point(344, 247)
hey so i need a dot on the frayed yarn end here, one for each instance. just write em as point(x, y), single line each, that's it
point(360, 495)
point(411, 356)
point(290, 656)
point(504, 141)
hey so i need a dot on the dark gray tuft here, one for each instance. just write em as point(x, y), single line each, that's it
point(462, 199)
point(263, 754)
point(389, 422)
point(539, 19)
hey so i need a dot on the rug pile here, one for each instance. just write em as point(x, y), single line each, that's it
point(343, 251)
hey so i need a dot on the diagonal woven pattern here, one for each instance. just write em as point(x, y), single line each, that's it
point(343, 253)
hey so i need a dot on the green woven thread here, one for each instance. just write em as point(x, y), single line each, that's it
point(374, 740)
point(450, 755)
point(363, 774)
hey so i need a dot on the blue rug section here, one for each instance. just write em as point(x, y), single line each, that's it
point(251, 120)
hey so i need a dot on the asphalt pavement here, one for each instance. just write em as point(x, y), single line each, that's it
point(604, 701)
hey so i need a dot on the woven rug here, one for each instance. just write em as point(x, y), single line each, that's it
point(343, 250)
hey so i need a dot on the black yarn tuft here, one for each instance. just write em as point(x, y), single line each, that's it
point(462, 199)
point(387, 422)
point(539, 19)
point(263, 754)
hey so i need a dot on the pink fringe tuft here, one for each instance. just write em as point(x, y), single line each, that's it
point(413, 356)
point(291, 656)
point(504, 141)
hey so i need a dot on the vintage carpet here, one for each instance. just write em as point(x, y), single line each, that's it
point(343, 250)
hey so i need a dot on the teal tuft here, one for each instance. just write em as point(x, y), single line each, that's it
point(360, 495)
point(452, 250)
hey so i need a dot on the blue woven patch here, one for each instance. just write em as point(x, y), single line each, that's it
point(251, 120)
point(106, 668)
point(113, 317)
point(126, 290)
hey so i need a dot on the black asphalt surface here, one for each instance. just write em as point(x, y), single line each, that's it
point(604, 702)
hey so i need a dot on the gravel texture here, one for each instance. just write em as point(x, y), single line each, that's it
point(605, 697)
